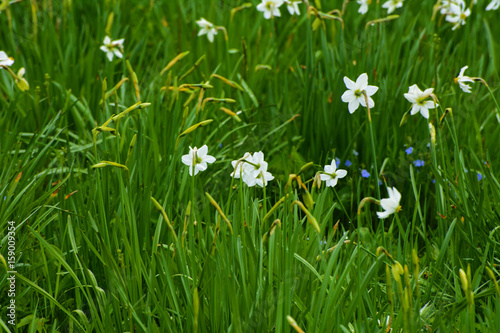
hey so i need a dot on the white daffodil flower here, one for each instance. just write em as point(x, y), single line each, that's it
point(207, 28)
point(461, 78)
point(457, 14)
point(197, 159)
point(242, 166)
point(391, 5)
point(354, 96)
point(270, 8)
point(391, 204)
point(257, 174)
point(331, 174)
point(293, 7)
point(5, 60)
point(112, 47)
point(418, 98)
point(493, 5)
point(363, 6)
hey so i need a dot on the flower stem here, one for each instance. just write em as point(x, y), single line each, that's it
point(265, 198)
point(193, 196)
point(491, 93)
point(373, 145)
point(341, 205)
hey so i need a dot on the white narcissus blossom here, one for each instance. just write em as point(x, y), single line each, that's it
point(457, 14)
point(331, 174)
point(493, 5)
point(391, 5)
point(257, 173)
point(270, 8)
point(112, 47)
point(391, 204)
point(207, 28)
point(354, 96)
point(293, 7)
point(363, 6)
point(418, 98)
point(197, 159)
point(5, 60)
point(242, 166)
point(461, 78)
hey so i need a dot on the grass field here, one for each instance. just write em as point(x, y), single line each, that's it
point(104, 229)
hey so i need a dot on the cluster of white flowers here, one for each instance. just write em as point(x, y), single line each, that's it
point(455, 12)
point(270, 8)
point(355, 95)
point(112, 47)
point(252, 169)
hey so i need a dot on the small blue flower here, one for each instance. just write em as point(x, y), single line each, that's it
point(220, 145)
point(379, 182)
point(355, 152)
point(479, 176)
point(409, 151)
point(418, 163)
point(348, 163)
point(337, 161)
point(434, 181)
point(365, 174)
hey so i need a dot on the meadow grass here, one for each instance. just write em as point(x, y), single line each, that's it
point(113, 234)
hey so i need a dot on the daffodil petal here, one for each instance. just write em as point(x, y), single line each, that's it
point(209, 159)
point(341, 173)
point(425, 112)
point(370, 90)
point(362, 81)
point(348, 96)
point(350, 84)
point(353, 105)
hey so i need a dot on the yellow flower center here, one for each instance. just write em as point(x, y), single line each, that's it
point(421, 100)
point(358, 93)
